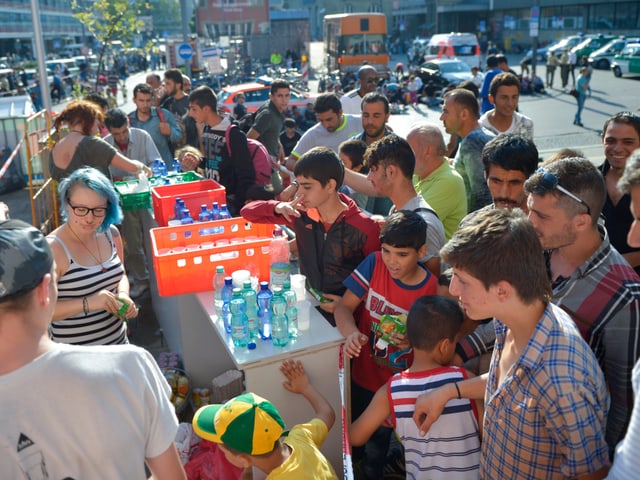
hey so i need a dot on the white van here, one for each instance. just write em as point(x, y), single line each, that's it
point(463, 46)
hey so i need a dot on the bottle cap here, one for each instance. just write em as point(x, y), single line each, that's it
point(252, 345)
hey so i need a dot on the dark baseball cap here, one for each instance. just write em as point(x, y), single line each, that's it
point(25, 258)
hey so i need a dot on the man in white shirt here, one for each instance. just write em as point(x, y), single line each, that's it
point(504, 94)
point(368, 79)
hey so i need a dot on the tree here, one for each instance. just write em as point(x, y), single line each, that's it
point(110, 20)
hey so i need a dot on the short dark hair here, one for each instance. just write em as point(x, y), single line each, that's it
point(492, 61)
point(326, 102)
point(469, 85)
point(502, 58)
point(511, 152)
point(631, 176)
point(628, 118)
point(366, 69)
point(404, 229)
point(433, 318)
point(174, 75)
point(354, 149)
point(290, 123)
point(142, 88)
point(580, 177)
point(391, 150)
point(279, 84)
point(465, 99)
point(98, 99)
point(204, 96)
point(373, 97)
point(503, 79)
point(115, 118)
point(321, 164)
point(497, 245)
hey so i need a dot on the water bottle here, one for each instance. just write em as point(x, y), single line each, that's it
point(163, 168)
point(292, 309)
point(186, 217)
point(177, 208)
point(218, 285)
point(176, 166)
point(215, 211)
point(279, 266)
point(279, 322)
point(156, 168)
point(227, 295)
point(204, 216)
point(250, 298)
point(239, 328)
point(224, 212)
point(264, 310)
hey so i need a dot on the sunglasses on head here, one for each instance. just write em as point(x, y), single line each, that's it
point(548, 182)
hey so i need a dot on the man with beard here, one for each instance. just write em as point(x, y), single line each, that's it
point(375, 115)
point(621, 136)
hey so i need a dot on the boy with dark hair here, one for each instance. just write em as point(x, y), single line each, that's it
point(290, 136)
point(351, 152)
point(546, 398)
point(251, 432)
point(386, 282)
point(235, 172)
point(333, 235)
point(433, 324)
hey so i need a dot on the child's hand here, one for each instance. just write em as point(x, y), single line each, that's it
point(297, 380)
point(329, 306)
point(353, 344)
point(399, 340)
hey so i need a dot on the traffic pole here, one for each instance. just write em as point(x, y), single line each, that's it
point(305, 71)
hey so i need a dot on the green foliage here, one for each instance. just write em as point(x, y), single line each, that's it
point(110, 20)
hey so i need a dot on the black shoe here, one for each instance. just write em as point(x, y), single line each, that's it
point(579, 124)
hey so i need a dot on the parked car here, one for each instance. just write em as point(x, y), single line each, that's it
point(256, 93)
point(443, 72)
point(567, 43)
point(627, 61)
point(540, 52)
point(591, 44)
point(603, 57)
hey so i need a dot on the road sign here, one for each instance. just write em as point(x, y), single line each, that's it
point(185, 51)
point(534, 22)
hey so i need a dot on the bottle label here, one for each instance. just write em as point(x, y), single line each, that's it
point(280, 271)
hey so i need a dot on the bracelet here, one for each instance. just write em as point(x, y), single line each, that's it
point(85, 306)
point(455, 384)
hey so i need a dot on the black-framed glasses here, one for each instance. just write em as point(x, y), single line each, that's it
point(84, 211)
point(548, 182)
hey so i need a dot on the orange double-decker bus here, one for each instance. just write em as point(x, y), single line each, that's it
point(353, 39)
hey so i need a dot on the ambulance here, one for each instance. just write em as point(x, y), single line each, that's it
point(463, 46)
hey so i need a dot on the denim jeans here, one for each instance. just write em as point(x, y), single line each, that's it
point(581, 99)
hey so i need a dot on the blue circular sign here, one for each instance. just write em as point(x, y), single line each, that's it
point(185, 51)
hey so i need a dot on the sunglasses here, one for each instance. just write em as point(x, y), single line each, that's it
point(372, 80)
point(548, 182)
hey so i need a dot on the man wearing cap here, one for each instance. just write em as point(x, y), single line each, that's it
point(251, 432)
point(352, 101)
point(71, 411)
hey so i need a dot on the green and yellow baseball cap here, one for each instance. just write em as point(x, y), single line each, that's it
point(247, 423)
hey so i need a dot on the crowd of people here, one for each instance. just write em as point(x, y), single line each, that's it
point(486, 253)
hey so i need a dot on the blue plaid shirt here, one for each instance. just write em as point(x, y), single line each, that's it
point(547, 418)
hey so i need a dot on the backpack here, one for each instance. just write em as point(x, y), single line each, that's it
point(259, 155)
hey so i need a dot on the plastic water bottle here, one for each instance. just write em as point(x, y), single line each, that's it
point(239, 329)
point(227, 295)
point(224, 212)
point(292, 309)
point(177, 208)
point(204, 216)
point(251, 300)
point(279, 322)
point(218, 285)
point(156, 168)
point(186, 217)
point(264, 310)
point(176, 166)
point(215, 211)
point(279, 266)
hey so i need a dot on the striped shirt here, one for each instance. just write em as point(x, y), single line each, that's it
point(603, 297)
point(99, 327)
point(547, 418)
point(451, 448)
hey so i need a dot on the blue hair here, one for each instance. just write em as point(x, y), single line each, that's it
point(95, 180)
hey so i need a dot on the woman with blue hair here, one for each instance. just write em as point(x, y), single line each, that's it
point(93, 288)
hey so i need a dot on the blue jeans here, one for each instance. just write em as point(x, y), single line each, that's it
point(581, 99)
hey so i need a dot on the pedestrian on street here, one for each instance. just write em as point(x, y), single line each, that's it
point(581, 86)
point(552, 62)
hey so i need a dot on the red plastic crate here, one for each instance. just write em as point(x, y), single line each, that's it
point(194, 194)
point(181, 267)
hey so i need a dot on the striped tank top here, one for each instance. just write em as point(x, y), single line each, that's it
point(99, 327)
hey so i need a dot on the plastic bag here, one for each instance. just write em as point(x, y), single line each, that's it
point(207, 462)
point(574, 93)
